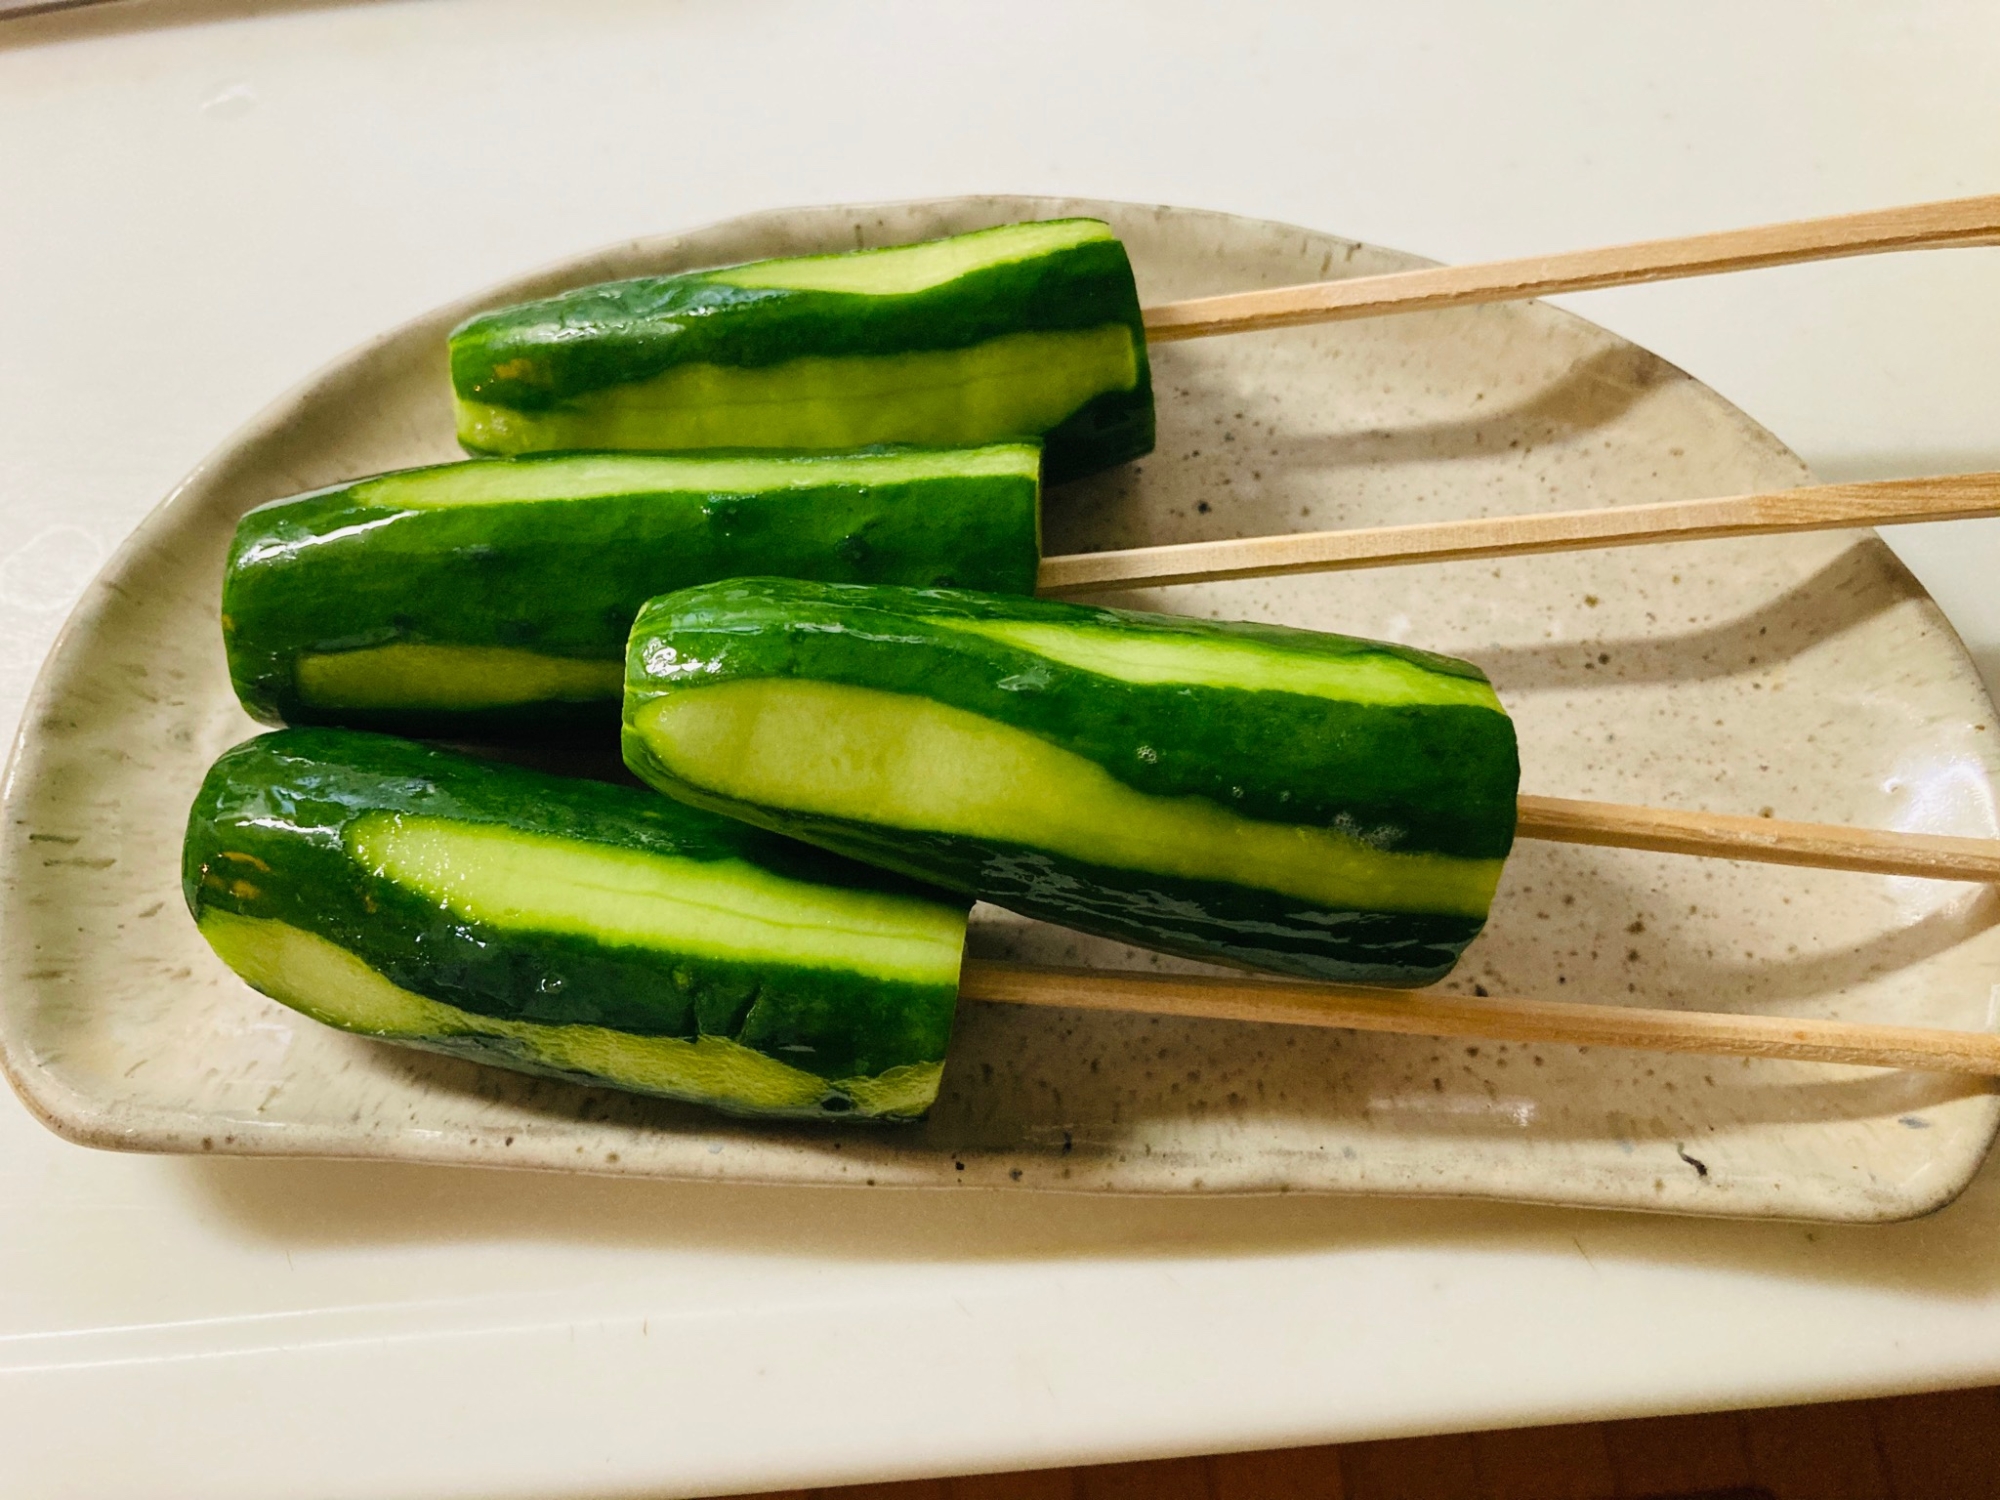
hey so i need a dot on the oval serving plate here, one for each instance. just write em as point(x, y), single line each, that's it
point(1809, 675)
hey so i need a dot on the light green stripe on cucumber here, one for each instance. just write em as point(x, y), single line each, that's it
point(520, 882)
point(1244, 665)
point(592, 476)
point(407, 676)
point(330, 984)
point(1019, 383)
point(894, 760)
point(903, 269)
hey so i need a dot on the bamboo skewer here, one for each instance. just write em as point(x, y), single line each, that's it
point(1824, 846)
point(1428, 1013)
point(1968, 221)
point(1825, 507)
point(1715, 835)
point(1960, 222)
point(1919, 226)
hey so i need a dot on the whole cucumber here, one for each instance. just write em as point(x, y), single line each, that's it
point(495, 596)
point(1025, 331)
point(595, 933)
point(1261, 796)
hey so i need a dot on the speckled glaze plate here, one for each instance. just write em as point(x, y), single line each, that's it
point(1808, 675)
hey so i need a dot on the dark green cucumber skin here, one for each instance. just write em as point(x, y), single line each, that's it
point(1441, 778)
point(286, 798)
point(322, 572)
point(1418, 778)
point(535, 355)
point(1196, 919)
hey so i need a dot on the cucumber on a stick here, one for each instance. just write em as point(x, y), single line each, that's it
point(495, 596)
point(1251, 794)
point(596, 933)
point(1029, 330)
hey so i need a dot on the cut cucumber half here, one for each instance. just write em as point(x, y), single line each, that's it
point(592, 932)
point(1025, 331)
point(495, 596)
point(1268, 797)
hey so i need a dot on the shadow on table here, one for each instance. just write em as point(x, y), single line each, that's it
point(298, 1204)
point(33, 23)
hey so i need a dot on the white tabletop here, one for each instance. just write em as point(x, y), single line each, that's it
point(198, 205)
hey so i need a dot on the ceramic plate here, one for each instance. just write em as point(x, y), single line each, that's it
point(1807, 675)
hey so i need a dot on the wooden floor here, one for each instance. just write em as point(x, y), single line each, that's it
point(1941, 1447)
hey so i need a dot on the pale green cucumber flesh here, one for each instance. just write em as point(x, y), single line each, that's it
point(513, 881)
point(1017, 384)
point(1246, 665)
point(900, 270)
point(569, 926)
point(596, 476)
point(902, 761)
point(451, 678)
point(334, 986)
point(495, 596)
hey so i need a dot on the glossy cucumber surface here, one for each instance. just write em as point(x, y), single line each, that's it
point(1269, 797)
point(495, 596)
point(592, 932)
point(1025, 331)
